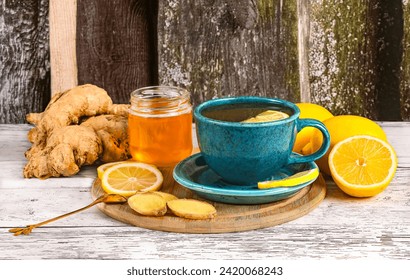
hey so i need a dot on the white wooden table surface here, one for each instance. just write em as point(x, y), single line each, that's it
point(341, 227)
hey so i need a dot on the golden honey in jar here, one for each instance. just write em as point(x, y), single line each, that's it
point(160, 125)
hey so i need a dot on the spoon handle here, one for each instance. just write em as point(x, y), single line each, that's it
point(107, 198)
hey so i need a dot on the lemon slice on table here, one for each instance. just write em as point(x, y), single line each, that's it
point(267, 116)
point(127, 178)
point(103, 167)
point(362, 166)
point(294, 180)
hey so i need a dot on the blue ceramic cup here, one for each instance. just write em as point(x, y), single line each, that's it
point(247, 153)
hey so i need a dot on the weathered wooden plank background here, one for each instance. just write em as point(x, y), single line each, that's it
point(116, 45)
point(405, 70)
point(355, 57)
point(223, 48)
point(350, 56)
point(63, 57)
point(24, 59)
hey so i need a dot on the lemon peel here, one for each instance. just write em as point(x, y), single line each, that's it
point(311, 111)
point(294, 180)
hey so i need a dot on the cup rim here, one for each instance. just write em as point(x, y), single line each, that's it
point(244, 99)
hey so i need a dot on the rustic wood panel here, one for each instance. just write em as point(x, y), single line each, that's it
point(405, 74)
point(116, 47)
point(355, 57)
point(389, 22)
point(63, 60)
point(230, 48)
point(24, 59)
point(303, 14)
point(358, 51)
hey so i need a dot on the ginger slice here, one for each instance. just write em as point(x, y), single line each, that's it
point(166, 196)
point(192, 209)
point(148, 204)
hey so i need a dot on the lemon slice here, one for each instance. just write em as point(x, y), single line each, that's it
point(294, 180)
point(267, 116)
point(362, 166)
point(127, 178)
point(103, 167)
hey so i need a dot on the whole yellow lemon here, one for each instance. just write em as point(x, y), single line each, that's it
point(311, 111)
point(340, 128)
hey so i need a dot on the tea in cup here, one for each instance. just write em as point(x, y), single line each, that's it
point(245, 153)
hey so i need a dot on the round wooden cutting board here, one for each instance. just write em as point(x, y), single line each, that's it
point(230, 218)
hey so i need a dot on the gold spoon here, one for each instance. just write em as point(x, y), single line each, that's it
point(106, 198)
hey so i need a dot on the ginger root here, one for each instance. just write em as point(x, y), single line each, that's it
point(78, 127)
point(67, 149)
point(67, 108)
point(112, 130)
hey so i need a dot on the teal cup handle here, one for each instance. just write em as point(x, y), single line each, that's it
point(322, 150)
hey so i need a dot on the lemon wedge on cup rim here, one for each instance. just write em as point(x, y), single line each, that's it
point(267, 116)
point(128, 178)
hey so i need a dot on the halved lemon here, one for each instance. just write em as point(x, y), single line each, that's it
point(294, 180)
point(267, 116)
point(127, 178)
point(362, 166)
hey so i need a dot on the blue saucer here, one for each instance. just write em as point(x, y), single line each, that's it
point(194, 174)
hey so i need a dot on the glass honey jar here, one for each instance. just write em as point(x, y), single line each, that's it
point(160, 125)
